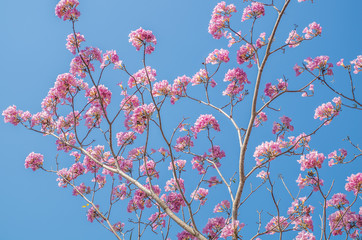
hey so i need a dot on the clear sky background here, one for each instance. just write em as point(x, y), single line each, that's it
point(34, 53)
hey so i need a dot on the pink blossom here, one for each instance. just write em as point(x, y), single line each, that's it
point(298, 70)
point(357, 64)
point(179, 88)
point(81, 64)
point(119, 192)
point(110, 57)
point(344, 220)
point(140, 38)
point(125, 138)
point(220, 19)
point(246, 53)
point(267, 150)
point(66, 9)
point(224, 206)
point(81, 189)
point(238, 78)
point(34, 161)
point(98, 95)
point(304, 235)
point(200, 195)
point(129, 103)
point(261, 117)
point(272, 90)
point(184, 235)
point(294, 39)
point(93, 116)
point(65, 140)
point(311, 160)
point(284, 127)
point(299, 213)
point(309, 181)
point(255, 10)
point(182, 143)
point(93, 213)
point(200, 77)
point(314, 30)
point(354, 183)
point(213, 227)
point(232, 229)
point(277, 224)
point(118, 226)
point(263, 175)
point(218, 56)
point(213, 181)
point(300, 141)
point(337, 201)
point(151, 169)
point(141, 77)
point(336, 159)
point(328, 111)
point(171, 185)
point(73, 42)
point(340, 62)
point(174, 201)
point(101, 180)
point(162, 88)
point(320, 63)
point(205, 121)
point(179, 165)
point(45, 120)
point(139, 119)
point(14, 116)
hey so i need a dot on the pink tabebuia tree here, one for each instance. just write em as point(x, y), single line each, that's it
point(111, 143)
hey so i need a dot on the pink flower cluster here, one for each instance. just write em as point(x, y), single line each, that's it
point(162, 88)
point(261, 117)
point(119, 192)
point(73, 42)
point(267, 151)
point(218, 56)
point(66, 9)
point(149, 169)
point(272, 90)
point(220, 19)
point(255, 10)
point(345, 220)
point(141, 37)
point(320, 63)
point(336, 159)
point(182, 143)
point(246, 53)
point(179, 88)
point(184, 235)
point(98, 95)
point(311, 160)
point(174, 201)
point(200, 194)
point(93, 214)
point(140, 199)
point(294, 39)
point(213, 227)
point(313, 30)
point(82, 188)
point(263, 175)
point(357, 64)
point(179, 165)
point(224, 206)
point(237, 78)
point(64, 140)
point(338, 200)
point(354, 183)
point(205, 121)
point(285, 126)
point(142, 77)
point(34, 161)
point(277, 224)
point(232, 229)
point(328, 111)
point(310, 180)
point(129, 103)
point(111, 57)
point(202, 77)
point(14, 116)
point(125, 138)
point(299, 213)
point(304, 235)
point(138, 120)
point(171, 185)
point(81, 64)
point(65, 175)
point(157, 219)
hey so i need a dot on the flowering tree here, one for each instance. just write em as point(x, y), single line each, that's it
point(162, 172)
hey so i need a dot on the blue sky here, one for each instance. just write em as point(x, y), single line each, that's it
point(34, 54)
